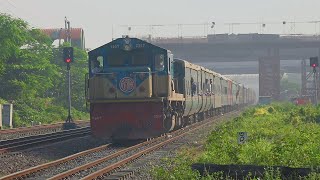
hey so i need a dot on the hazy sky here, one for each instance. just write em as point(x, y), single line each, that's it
point(99, 17)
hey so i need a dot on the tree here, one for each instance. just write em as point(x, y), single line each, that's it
point(28, 72)
point(13, 34)
point(25, 69)
point(32, 74)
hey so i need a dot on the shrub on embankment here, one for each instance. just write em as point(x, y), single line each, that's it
point(33, 75)
point(278, 135)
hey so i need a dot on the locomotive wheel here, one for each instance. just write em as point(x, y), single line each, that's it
point(169, 123)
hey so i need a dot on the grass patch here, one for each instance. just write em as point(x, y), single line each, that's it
point(278, 135)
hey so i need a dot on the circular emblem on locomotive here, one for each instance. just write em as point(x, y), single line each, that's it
point(127, 84)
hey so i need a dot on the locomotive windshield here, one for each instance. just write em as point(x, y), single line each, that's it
point(125, 58)
point(96, 64)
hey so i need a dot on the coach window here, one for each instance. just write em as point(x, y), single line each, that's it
point(159, 62)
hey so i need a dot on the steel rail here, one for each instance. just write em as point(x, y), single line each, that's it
point(9, 142)
point(40, 167)
point(94, 163)
point(37, 127)
point(116, 154)
point(118, 164)
point(175, 135)
point(25, 142)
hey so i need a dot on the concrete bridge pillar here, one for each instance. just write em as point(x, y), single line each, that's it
point(269, 74)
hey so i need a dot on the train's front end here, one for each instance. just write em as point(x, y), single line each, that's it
point(122, 89)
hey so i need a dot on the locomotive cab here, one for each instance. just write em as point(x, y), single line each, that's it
point(129, 68)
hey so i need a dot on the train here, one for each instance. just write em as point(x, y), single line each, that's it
point(137, 90)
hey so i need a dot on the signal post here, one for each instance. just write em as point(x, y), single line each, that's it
point(68, 58)
point(309, 79)
point(314, 64)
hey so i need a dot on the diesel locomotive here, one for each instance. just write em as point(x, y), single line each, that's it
point(137, 90)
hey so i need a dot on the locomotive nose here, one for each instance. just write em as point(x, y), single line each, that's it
point(122, 83)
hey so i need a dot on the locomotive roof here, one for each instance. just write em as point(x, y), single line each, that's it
point(125, 40)
point(197, 67)
point(189, 64)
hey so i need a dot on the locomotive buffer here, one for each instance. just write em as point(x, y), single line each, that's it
point(68, 58)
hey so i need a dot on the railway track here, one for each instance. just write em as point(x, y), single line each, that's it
point(29, 141)
point(37, 127)
point(104, 165)
point(106, 171)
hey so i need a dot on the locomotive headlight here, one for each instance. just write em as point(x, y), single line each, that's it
point(127, 47)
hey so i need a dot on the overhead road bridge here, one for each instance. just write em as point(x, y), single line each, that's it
point(241, 47)
point(268, 49)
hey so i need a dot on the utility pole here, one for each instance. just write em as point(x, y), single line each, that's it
point(67, 30)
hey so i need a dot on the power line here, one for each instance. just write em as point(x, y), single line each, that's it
point(11, 12)
point(11, 4)
point(19, 10)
